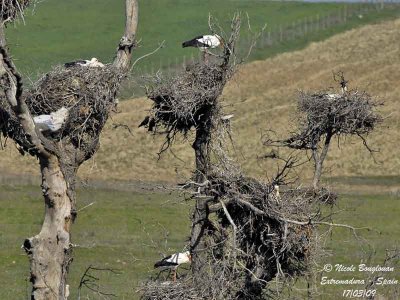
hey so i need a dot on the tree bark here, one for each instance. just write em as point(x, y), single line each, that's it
point(127, 42)
point(200, 213)
point(50, 251)
point(319, 160)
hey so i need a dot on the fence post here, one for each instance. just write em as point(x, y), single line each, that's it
point(269, 38)
point(299, 25)
point(305, 26)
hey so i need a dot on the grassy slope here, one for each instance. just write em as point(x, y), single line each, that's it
point(263, 96)
point(127, 231)
point(60, 31)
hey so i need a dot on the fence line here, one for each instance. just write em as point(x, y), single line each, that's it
point(282, 33)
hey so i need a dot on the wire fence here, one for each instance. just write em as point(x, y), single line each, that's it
point(277, 35)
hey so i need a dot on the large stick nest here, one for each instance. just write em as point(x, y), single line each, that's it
point(88, 94)
point(267, 242)
point(349, 113)
point(12, 9)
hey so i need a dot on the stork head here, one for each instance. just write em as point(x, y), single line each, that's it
point(94, 60)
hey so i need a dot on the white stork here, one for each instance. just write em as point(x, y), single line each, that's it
point(93, 63)
point(52, 122)
point(204, 42)
point(173, 261)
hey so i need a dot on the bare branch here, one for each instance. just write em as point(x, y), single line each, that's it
point(90, 281)
point(147, 55)
point(13, 88)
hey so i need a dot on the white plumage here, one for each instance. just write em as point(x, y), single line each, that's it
point(173, 261)
point(210, 41)
point(227, 117)
point(52, 122)
point(204, 42)
point(93, 63)
point(333, 96)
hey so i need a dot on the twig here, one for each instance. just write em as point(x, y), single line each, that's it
point(148, 54)
point(90, 204)
point(234, 229)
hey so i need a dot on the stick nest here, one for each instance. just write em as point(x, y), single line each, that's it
point(182, 102)
point(88, 94)
point(12, 9)
point(265, 244)
point(270, 244)
point(350, 113)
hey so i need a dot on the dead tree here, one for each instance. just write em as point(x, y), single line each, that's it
point(324, 115)
point(88, 94)
point(191, 100)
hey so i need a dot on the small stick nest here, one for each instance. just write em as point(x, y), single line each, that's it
point(187, 100)
point(181, 102)
point(12, 9)
point(88, 94)
point(350, 113)
point(322, 195)
point(167, 290)
point(190, 99)
point(218, 281)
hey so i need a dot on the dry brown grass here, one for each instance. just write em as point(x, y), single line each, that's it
point(263, 95)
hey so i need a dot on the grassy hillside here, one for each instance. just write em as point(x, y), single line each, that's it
point(262, 96)
point(128, 231)
point(60, 31)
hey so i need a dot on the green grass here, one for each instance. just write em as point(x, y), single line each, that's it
point(128, 231)
point(371, 180)
point(124, 231)
point(60, 31)
point(318, 35)
point(378, 213)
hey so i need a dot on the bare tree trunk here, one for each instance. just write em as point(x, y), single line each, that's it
point(319, 160)
point(200, 214)
point(50, 252)
point(127, 42)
